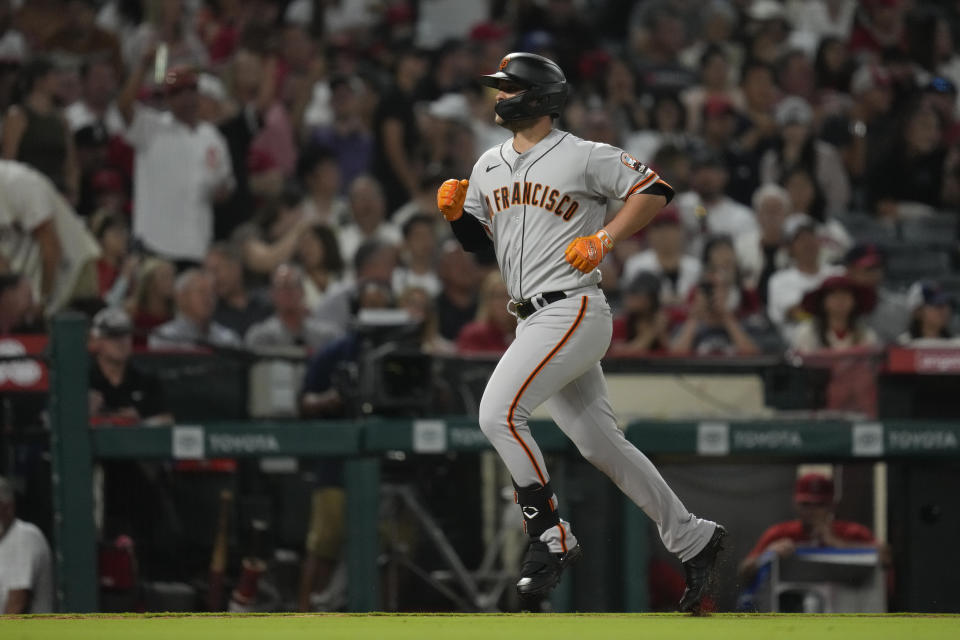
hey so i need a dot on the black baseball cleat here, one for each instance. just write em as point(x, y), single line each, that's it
point(699, 571)
point(541, 568)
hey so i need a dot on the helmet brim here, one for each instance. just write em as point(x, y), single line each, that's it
point(493, 80)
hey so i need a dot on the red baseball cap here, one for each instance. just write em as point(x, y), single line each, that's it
point(813, 488)
point(180, 78)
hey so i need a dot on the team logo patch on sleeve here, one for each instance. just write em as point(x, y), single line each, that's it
point(631, 162)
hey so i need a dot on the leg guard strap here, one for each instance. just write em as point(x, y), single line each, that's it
point(538, 506)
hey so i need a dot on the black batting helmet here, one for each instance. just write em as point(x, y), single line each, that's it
point(545, 86)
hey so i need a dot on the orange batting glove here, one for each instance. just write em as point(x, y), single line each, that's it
point(586, 252)
point(450, 197)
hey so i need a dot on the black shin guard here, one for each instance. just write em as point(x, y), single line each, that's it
point(538, 507)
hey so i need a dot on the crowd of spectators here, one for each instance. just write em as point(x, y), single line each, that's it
point(236, 174)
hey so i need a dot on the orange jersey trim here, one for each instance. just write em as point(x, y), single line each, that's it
point(523, 387)
point(642, 184)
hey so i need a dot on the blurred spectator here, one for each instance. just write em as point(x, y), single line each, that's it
point(941, 94)
point(113, 235)
point(272, 237)
point(706, 209)
point(320, 173)
point(291, 324)
point(368, 213)
point(152, 302)
point(758, 129)
point(865, 265)
point(837, 307)
point(719, 137)
point(460, 277)
point(620, 96)
point(930, 322)
point(814, 501)
point(641, 326)
point(319, 255)
point(182, 166)
point(193, 326)
point(418, 257)
point(919, 145)
point(808, 202)
point(795, 75)
point(97, 103)
point(91, 148)
point(862, 132)
point(713, 325)
point(673, 161)
point(396, 137)
point(720, 261)
point(448, 136)
point(79, 36)
point(26, 564)
point(424, 202)
point(348, 136)
point(120, 393)
point(668, 126)
point(797, 146)
point(35, 131)
point(254, 89)
point(237, 308)
point(677, 271)
point(816, 19)
point(878, 25)
point(714, 66)
point(17, 308)
point(374, 261)
point(762, 252)
point(13, 46)
point(42, 238)
point(659, 36)
point(320, 396)
point(495, 325)
point(786, 287)
point(419, 304)
point(717, 26)
point(767, 31)
point(167, 22)
point(833, 69)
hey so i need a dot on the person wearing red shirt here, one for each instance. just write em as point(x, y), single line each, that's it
point(493, 330)
point(814, 501)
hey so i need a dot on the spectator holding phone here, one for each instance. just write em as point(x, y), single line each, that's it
point(712, 327)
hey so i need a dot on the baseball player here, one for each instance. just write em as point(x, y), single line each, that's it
point(541, 198)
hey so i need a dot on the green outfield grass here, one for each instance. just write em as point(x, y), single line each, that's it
point(483, 626)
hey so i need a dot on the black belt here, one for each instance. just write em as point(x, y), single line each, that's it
point(526, 307)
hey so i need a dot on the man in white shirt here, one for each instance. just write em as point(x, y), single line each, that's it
point(41, 236)
point(182, 167)
point(368, 207)
point(787, 287)
point(26, 568)
point(706, 210)
point(193, 326)
point(677, 271)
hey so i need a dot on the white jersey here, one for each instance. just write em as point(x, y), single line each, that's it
point(534, 204)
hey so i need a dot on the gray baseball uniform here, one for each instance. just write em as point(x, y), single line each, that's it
point(533, 205)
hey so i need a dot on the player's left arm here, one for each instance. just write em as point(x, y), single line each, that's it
point(586, 253)
point(612, 173)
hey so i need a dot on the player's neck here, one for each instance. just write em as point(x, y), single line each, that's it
point(527, 138)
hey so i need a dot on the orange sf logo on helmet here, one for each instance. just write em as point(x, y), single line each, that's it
point(503, 63)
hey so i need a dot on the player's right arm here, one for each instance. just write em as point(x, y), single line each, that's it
point(468, 229)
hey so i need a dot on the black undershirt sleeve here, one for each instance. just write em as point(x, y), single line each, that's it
point(660, 188)
point(473, 237)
